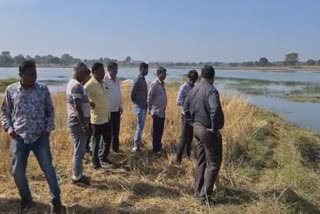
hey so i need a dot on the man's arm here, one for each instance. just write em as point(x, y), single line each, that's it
point(181, 96)
point(134, 90)
point(6, 113)
point(77, 95)
point(151, 95)
point(49, 109)
point(215, 110)
point(187, 112)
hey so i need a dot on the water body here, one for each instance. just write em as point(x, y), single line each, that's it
point(303, 114)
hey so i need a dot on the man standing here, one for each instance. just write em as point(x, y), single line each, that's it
point(139, 96)
point(113, 87)
point(78, 107)
point(100, 116)
point(28, 116)
point(203, 110)
point(157, 103)
point(186, 129)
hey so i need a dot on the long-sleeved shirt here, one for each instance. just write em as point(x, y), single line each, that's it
point(183, 93)
point(203, 106)
point(98, 94)
point(114, 93)
point(157, 99)
point(139, 93)
point(28, 112)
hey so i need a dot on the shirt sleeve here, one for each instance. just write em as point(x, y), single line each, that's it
point(187, 112)
point(151, 95)
point(134, 89)
point(77, 92)
point(6, 112)
point(49, 112)
point(216, 113)
point(87, 88)
point(181, 96)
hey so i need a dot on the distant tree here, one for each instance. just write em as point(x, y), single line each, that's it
point(28, 57)
point(311, 62)
point(55, 60)
point(6, 59)
point(263, 61)
point(292, 59)
point(318, 62)
point(128, 60)
point(66, 59)
point(18, 59)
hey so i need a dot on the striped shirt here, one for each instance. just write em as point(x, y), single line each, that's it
point(76, 91)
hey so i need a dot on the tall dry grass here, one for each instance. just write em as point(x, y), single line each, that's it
point(265, 168)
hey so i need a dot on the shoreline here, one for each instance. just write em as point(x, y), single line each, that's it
point(243, 68)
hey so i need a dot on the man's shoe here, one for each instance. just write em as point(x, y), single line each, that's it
point(136, 149)
point(117, 151)
point(25, 204)
point(107, 163)
point(59, 209)
point(84, 180)
point(97, 166)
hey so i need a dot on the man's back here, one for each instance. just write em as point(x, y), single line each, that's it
point(203, 104)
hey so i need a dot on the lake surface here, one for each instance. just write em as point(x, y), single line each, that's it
point(303, 114)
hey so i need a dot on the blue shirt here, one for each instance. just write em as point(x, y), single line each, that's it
point(28, 112)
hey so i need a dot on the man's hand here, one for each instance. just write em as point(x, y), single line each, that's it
point(92, 105)
point(13, 135)
point(87, 130)
point(45, 133)
point(210, 130)
point(121, 110)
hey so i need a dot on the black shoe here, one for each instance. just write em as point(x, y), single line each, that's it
point(58, 208)
point(84, 180)
point(107, 163)
point(97, 166)
point(25, 204)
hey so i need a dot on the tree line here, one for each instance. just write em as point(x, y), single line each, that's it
point(66, 60)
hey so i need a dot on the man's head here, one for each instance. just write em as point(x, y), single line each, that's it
point(113, 69)
point(208, 73)
point(28, 73)
point(144, 67)
point(161, 73)
point(193, 76)
point(81, 72)
point(98, 71)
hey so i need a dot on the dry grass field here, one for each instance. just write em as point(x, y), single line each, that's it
point(269, 166)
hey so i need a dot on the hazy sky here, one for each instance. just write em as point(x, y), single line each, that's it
point(165, 30)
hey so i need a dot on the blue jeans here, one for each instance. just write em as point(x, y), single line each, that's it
point(80, 142)
point(141, 117)
point(41, 150)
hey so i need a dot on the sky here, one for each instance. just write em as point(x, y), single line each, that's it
point(162, 30)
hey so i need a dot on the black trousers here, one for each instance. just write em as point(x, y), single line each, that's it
point(101, 152)
point(115, 126)
point(209, 158)
point(186, 139)
point(88, 147)
point(157, 132)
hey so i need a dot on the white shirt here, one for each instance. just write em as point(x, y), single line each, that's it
point(114, 92)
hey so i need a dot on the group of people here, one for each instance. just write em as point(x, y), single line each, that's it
point(94, 106)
